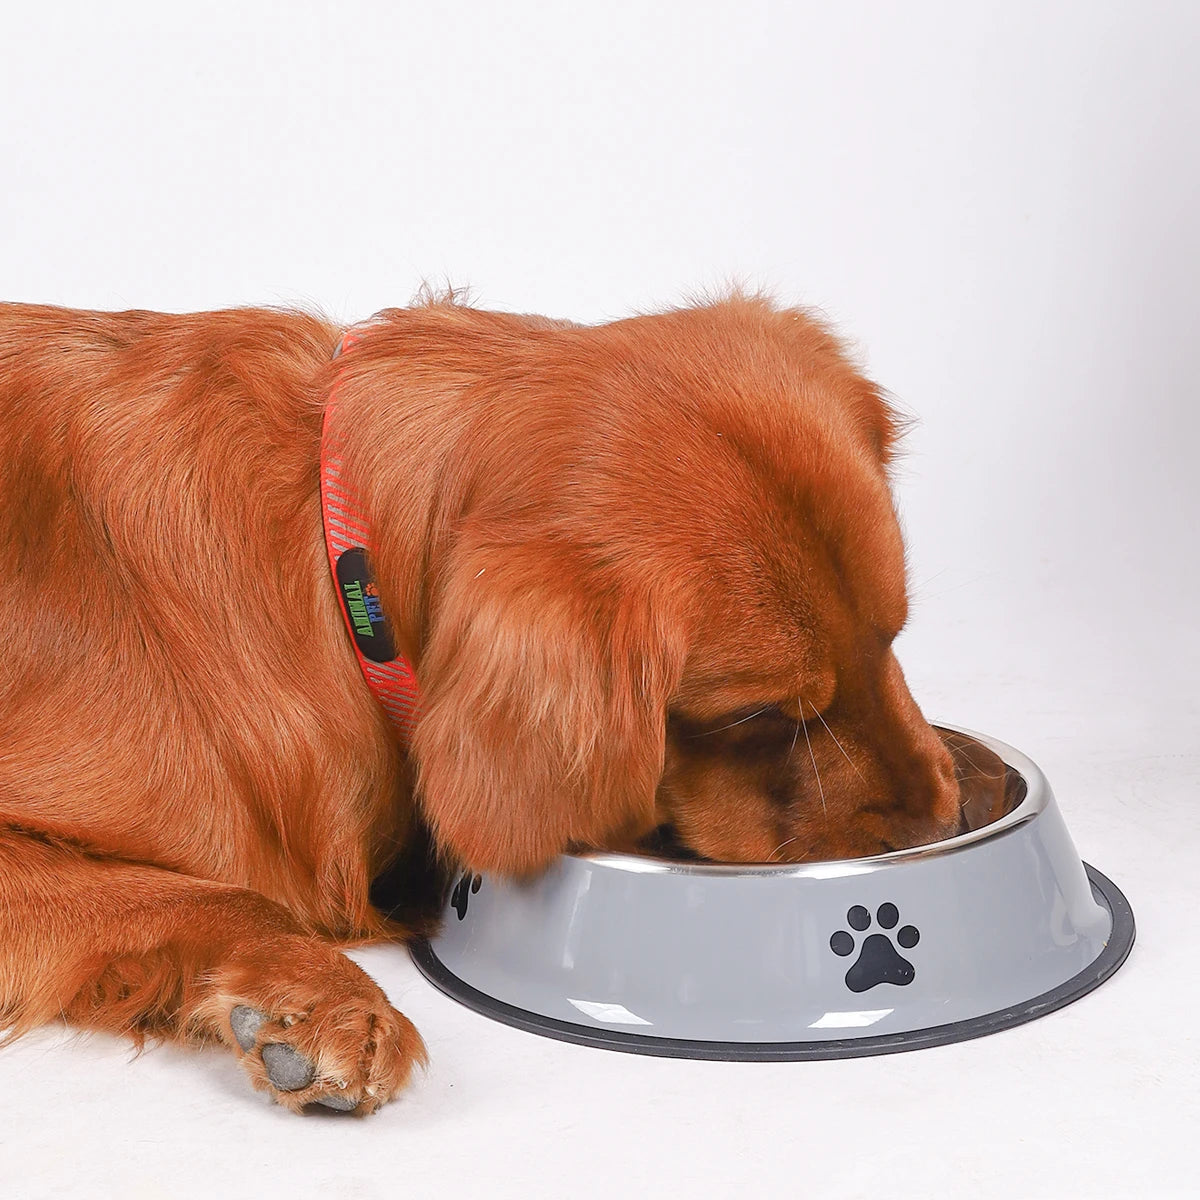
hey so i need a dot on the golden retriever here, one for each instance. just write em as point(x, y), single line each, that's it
point(648, 575)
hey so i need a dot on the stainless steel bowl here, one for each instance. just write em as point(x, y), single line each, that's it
point(913, 948)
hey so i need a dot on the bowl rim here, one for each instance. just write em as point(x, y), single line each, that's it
point(1035, 802)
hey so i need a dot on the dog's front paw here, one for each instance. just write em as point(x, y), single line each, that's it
point(318, 1034)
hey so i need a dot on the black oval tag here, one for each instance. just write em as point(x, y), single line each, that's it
point(368, 626)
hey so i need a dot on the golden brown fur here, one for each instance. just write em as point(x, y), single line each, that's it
point(648, 572)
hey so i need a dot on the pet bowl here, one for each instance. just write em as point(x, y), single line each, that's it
point(913, 948)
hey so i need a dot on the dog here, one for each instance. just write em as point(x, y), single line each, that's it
point(647, 575)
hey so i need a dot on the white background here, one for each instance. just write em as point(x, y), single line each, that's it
point(998, 203)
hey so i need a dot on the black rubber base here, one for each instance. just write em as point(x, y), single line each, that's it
point(1115, 951)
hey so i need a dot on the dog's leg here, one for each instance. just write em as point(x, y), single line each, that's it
point(135, 949)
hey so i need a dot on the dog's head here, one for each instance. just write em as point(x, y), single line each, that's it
point(650, 573)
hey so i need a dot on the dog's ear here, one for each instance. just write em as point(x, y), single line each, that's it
point(544, 697)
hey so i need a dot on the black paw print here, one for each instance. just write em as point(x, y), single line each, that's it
point(467, 886)
point(877, 962)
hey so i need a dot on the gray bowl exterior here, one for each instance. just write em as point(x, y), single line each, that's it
point(714, 953)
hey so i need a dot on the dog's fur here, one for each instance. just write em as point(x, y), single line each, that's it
point(649, 574)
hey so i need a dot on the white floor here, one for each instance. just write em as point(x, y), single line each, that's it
point(1099, 1099)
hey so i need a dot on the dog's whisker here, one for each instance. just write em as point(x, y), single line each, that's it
point(961, 755)
point(739, 721)
point(917, 588)
point(788, 842)
point(816, 770)
point(978, 775)
point(835, 740)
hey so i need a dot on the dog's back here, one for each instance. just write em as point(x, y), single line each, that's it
point(168, 663)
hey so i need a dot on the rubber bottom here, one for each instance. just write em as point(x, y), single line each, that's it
point(1115, 951)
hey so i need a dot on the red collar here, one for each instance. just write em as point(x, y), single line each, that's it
point(348, 541)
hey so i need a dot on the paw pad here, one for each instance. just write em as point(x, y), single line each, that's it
point(287, 1069)
point(878, 959)
point(245, 1023)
